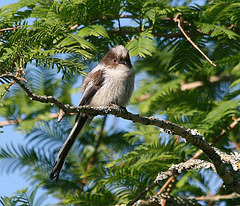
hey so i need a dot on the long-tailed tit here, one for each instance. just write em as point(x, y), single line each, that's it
point(110, 82)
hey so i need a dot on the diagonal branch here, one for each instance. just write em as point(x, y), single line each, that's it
point(12, 28)
point(178, 19)
point(192, 136)
point(216, 197)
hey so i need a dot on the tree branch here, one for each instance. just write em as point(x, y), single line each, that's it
point(16, 121)
point(216, 197)
point(178, 168)
point(12, 28)
point(166, 200)
point(98, 143)
point(214, 80)
point(192, 136)
point(156, 34)
point(170, 179)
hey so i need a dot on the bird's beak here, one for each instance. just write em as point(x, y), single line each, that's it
point(122, 62)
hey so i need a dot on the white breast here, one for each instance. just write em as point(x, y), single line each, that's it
point(117, 87)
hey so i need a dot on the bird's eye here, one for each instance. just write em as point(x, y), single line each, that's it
point(115, 60)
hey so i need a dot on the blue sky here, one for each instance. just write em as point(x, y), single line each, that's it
point(10, 183)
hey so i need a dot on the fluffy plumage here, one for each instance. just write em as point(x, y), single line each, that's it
point(110, 82)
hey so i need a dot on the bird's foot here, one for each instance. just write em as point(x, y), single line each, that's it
point(117, 106)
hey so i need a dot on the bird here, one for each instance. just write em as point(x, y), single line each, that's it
point(110, 83)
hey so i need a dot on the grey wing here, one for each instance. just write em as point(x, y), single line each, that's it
point(88, 93)
point(91, 85)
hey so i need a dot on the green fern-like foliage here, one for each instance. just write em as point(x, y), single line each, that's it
point(53, 44)
point(24, 197)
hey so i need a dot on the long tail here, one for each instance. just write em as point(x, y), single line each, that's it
point(65, 149)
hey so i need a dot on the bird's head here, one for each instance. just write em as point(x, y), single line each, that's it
point(116, 56)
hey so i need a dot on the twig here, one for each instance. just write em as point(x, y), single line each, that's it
point(16, 121)
point(178, 20)
point(13, 28)
point(157, 34)
point(216, 197)
point(166, 184)
point(10, 122)
point(100, 138)
point(226, 131)
point(214, 80)
point(166, 200)
point(51, 115)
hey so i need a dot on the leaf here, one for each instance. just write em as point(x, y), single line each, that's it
point(220, 113)
point(83, 43)
point(3, 90)
point(92, 199)
point(25, 197)
point(217, 30)
point(142, 45)
point(150, 156)
point(94, 30)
